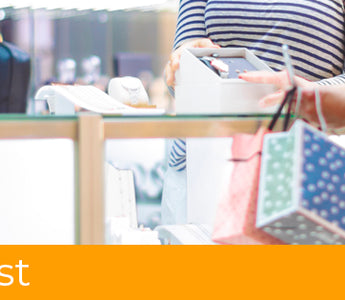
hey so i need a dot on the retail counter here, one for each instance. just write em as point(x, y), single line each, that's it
point(88, 133)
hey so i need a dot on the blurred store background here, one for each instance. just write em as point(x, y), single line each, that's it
point(75, 33)
point(90, 43)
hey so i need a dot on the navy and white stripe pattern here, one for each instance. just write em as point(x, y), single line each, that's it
point(313, 30)
point(177, 159)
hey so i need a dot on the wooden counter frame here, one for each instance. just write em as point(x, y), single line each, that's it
point(89, 132)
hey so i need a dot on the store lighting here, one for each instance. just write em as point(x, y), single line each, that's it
point(2, 14)
point(81, 4)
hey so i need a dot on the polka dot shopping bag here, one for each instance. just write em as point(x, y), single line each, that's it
point(302, 187)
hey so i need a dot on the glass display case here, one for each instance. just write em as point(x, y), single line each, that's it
point(60, 164)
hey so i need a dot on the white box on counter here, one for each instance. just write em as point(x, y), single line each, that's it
point(200, 90)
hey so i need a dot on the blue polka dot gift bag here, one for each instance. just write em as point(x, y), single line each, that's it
point(301, 197)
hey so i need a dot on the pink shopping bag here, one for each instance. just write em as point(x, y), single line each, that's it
point(236, 213)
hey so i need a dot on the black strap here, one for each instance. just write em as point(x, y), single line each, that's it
point(289, 95)
point(288, 115)
point(246, 158)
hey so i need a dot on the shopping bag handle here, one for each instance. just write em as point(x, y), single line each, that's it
point(289, 94)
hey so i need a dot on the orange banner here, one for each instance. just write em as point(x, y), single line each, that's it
point(174, 272)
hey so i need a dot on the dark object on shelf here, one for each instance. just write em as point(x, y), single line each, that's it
point(14, 78)
point(132, 64)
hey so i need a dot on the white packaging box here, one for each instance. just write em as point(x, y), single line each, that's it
point(199, 90)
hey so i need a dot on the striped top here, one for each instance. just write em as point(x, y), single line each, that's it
point(313, 30)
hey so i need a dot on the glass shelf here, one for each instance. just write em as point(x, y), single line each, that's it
point(90, 132)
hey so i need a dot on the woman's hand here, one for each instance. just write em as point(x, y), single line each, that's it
point(174, 61)
point(332, 97)
point(279, 79)
point(332, 100)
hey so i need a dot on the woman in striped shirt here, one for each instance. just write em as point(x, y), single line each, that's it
point(313, 30)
